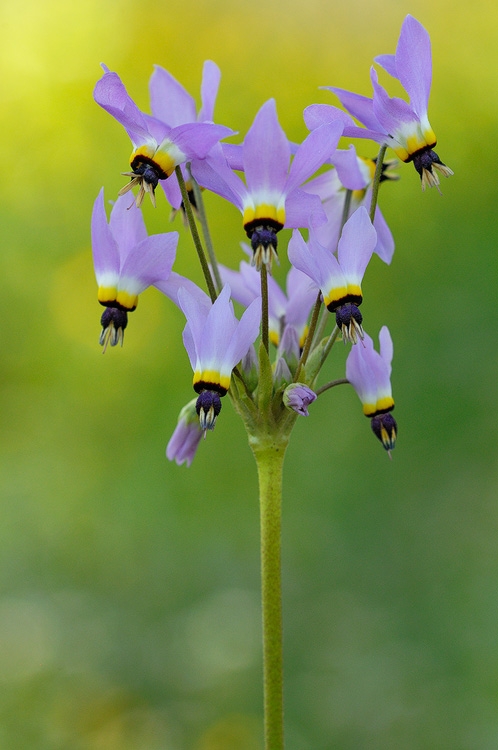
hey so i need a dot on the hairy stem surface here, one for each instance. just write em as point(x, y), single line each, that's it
point(269, 458)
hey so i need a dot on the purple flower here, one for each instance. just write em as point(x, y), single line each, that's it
point(292, 308)
point(392, 121)
point(215, 343)
point(271, 198)
point(159, 147)
point(185, 439)
point(339, 278)
point(370, 375)
point(331, 185)
point(297, 397)
point(126, 262)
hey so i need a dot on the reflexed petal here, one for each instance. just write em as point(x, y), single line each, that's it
point(172, 190)
point(277, 301)
point(234, 154)
point(157, 128)
point(214, 174)
point(392, 113)
point(172, 285)
point(315, 265)
point(414, 64)
point(266, 151)
point(104, 247)
point(320, 114)
point(245, 334)
point(245, 284)
point(303, 210)
point(301, 293)
point(149, 262)
point(356, 245)
point(211, 76)
point(348, 168)
point(361, 370)
point(111, 94)
point(169, 100)
point(361, 107)
point(328, 234)
point(312, 153)
point(388, 62)
point(219, 327)
point(385, 240)
point(324, 185)
point(386, 347)
point(127, 225)
point(196, 319)
point(189, 344)
point(196, 139)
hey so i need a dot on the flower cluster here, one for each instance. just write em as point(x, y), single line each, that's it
point(273, 183)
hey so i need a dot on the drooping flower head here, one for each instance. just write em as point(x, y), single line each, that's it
point(331, 186)
point(271, 198)
point(370, 375)
point(391, 120)
point(339, 278)
point(215, 342)
point(126, 262)
point(158, 147)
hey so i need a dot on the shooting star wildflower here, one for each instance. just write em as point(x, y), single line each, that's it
point(370, 375)
point(157, 147)
point(389, 120)
point(215, 344)
point(339, 278)
point(126, 262)
point(271, 199)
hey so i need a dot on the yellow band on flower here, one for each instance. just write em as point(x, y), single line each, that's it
point(211, 377)
point(106, 294)
point(127, 301)
point(264, 211)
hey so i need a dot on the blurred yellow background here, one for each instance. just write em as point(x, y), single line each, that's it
point(129, 615)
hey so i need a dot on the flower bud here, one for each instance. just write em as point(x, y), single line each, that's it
point(185, 439)
point(297, 397)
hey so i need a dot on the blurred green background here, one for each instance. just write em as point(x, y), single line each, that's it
point(129, 615)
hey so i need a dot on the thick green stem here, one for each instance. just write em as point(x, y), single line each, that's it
point(195, 235)
point(376, 181)
point(264, 307)
point(269, 458)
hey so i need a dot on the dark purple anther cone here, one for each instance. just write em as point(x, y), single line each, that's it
point(208, 407)
point(424, 159)
point(265, 237)
point(111, 315)
point(345, 313)
point(148, 173)
point(385, 428)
